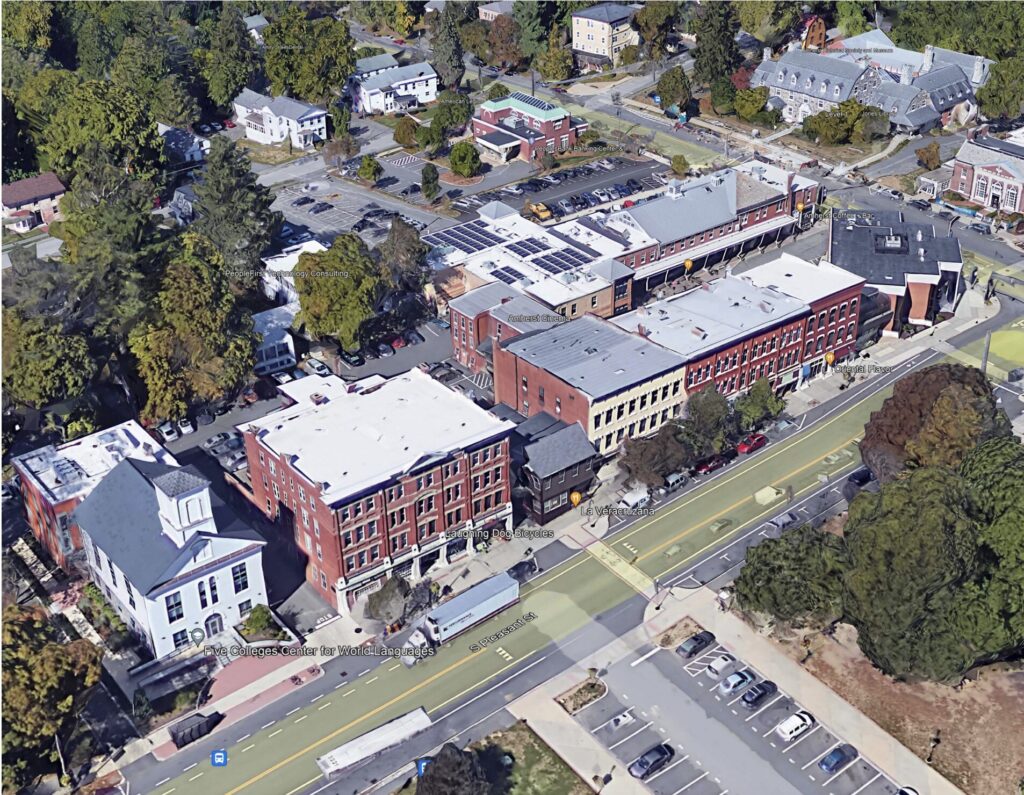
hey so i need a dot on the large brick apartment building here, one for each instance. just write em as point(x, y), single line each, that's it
point(379, 477)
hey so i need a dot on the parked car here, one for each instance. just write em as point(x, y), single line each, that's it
point(920, 204)
point(622, 190)
point(309, 187)
point(228, 447)
point(754, 441)
point(861, 477)
point(351, 359)
point(528, 187)
point(216, 439)
point(695, 644)
point(710, 465)
point(785, 521)
point(651, 761)
point(410, 190)
point(302, 201)
point(319, 207)
point(603, 195)
point(318, 367)
point(758, 693)
point(794, 726)
point(634, 185)
point(412, 336)
point(237, 460)
point(397, 342)
point(248, 396)
point(168, 431)
point(10, 492)
point(606, 164)
point(566, 206)
point(440, 322)
point(363, 224)
point(838, 758)
point(513, 190)
point(981, 228)
point(578, 202)
point(384, 350)
point(216, 126)
point(282, 378)
point(720, 666)
point(552, 179)
point(203, 129)
point(229, 124)
point(734, 683)
point(591, 199)
point(523, 570)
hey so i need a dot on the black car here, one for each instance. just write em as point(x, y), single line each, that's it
point(351, 359)
point(363, 224)
point(412, 336)
point(523, 570)
point(528, 187)
point(319, 207)
point(539, 184)
point(591, 200)
point(621, 189)
point(694, 645)
point(302, 201)
point(634, 186)
point(758, 694)
point(367, 352)
point(861, 477)
point(411, 190)
point(651, 761)
point(380, 212)
point(578, 202)
point(920, 204)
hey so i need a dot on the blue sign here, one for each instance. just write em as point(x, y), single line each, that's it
point(219, 758)
point(422, 764)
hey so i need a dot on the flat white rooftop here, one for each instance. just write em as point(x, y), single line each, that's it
point(350, 439)
point(802, 279)
point(73, 469)
point(274, 324)
point(713, 316)
point(284, 263)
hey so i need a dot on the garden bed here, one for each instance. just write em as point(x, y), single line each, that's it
point(261, 625)
point(585, 693)
point(678, 632)
point(104, 619)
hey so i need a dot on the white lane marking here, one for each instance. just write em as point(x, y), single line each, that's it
point(371, 681)
point(268, 725)
point(801, 739)
point(299, 720)
point(664, 770)
point(634, 734)
point(866, 785)
point(197, 775)
point(163, 781)
point(647, 656)
point(316, 698)
point(323, 706)
point(248, 747)
point(780, 695)
point(595, 730)
point(243, 738)
point(361, 673)
point(349, 693)
point(292, 712)
point(275, 733)
point(339, 686)
point(819, 756)
point(189, 767)
point(687, 786)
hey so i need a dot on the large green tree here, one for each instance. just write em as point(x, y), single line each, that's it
point(554, 63)
point(758, 404)
point(45, 685)
point(654, 21)
point(42, 363)
point(309, 59)
point(1003, 94)
point(709, 424)
point(42, 95)
point(234, 211)
point(453, 772)
point(749, 102)
point(454, 110)
point(649, 459)
point(674, 88)
point(717, 54)
point(448, 48)
point(231, 60)
point(109, 115)
point(529, 16)
point(988, 29)
point(464, 159)
point(403, 255)
point(28, 25)
point(337, 289)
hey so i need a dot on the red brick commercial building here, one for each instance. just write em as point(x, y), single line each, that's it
point(989, 172)
point(54, 480)
point(379, 477)
point(524, 127)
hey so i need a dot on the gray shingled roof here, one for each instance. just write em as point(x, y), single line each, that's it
point(481, 299)
point(375, 62)
point(819, 68)
point(987, 151)
point(559, 450)
point(689, 207)
point(889, 95)
point(512, 313)
point(594, 356)
point(401, 74)
point(180, 480)
point(606, 12)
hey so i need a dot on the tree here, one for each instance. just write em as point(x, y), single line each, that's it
point(341, 148)
point(795, 578)
point(141, 65)
point(529, 18)
point(555, 63)
point(403, 255)
point(231, 60)
point(474, 38)
point(19, 156)
point(198, 343)
point(429, 138)
point(234, 211)
point(906, 429)
point(871, 124)
point(387, 604)
point(429, 182)
point(42, 364)
point(282, 39)
point(1003, 94)
point(504, 41)
point(497, 91)
point(453, 772)
point(337, 289)
point(709, 424)
point(630, 55)
point(723, 92)
point(448, 48)
point(654, 21)
point(717, 54)
point(985, 30)
point(370, 169)
point(405, 132)
point(112, 116)
point(28, 25)
point(648, 460)
point(674, 88)
point(95, 50)
point(454, 110)
point(464, 159)
point(740, 79)
point(759, 404)
point(928, 156)
point(679, 165)
point(341, 119)
point(45, 686)
point(175, 105)
point(42, 95)
point(327, 57)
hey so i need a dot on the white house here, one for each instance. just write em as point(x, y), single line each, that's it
point(276, 350)
point(395, 88)
point(255, 25)
point(278, 271)
point(182, 146)
point(170, 557)
point(269, 120)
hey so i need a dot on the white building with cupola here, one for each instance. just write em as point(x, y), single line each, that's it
point(170, 556)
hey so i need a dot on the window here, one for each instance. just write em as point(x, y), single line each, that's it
point(173, 604)
point(213, 590)
point(558, 405)
point(240, 577)
point(202, 594)
point(131, 596)
point(244, 608)
point(180, 638)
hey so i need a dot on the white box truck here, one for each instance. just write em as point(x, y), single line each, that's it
point(462, 612)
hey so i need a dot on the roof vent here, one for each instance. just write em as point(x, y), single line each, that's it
point(318, 398)
point(920, 235)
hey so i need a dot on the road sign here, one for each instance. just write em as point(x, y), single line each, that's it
point(219, 758)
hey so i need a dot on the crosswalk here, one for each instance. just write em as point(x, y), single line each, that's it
point(481, 380)
point(404, 160)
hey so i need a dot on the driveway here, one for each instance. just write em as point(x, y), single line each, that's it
point(436, 347)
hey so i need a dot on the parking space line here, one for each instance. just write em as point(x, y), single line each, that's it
point(780, 695)
point(664, 770)
point(647, 656)
point(819, 756)
point(866, 785)
point(838, 773)
point(791, 746)
point(597, 729)
point(687, 786)
point(634, 734)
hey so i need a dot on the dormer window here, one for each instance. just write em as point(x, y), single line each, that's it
point(824, 87)
point(808, 83)
point(781, 77)
point(792, 80)
point(837, 91)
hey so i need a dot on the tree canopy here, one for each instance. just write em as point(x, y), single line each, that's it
point(717, 54)
point(41, 363)
point(453, 772)
point(464, 159)
point(307, 58)
point(648, 460)
point(674, 88)
point(231, 60)
point(448, 47)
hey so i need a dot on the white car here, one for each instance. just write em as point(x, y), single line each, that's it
point(733, 683)
point(719, 666)
point(237, 460)
point(795, 725)
point(514, 190)
point(282, 378)
point(309, 187)
point(168, 431)
point(606, 164)
point(318, 367)
point(185, 426)
point(603, 195)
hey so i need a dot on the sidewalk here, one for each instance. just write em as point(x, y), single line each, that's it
point(842, 718)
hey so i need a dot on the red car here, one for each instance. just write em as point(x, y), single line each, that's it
point(710, 465)
point(398, 41)
point(229, 124)
point(753, 442)
point(398, 341)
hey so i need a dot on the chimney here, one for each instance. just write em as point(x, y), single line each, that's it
point(978, 75)
point(641, 329)
point(905, 75)
point(506, 299)
point(766, 54)
point(929, 58)
point(789, 190)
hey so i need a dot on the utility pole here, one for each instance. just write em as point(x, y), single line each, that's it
point(984, 355)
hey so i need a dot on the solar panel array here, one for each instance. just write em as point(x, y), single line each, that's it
point(470, 238)
point(527, 247)
point(533, 102)
point(507, 275)
point(565, 259)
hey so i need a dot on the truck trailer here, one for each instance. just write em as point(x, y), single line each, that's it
point(463, 612)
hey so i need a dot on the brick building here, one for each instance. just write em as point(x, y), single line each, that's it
point(379, 477)
point(524, 127)
point(55, 479)
point(589, 371)
point(989, 172)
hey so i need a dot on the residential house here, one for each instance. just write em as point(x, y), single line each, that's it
point(934, 183)
point(523, 126)
point(395, 88)
point(274, 120)
point(491, 11)
point(370, 487)
point(55, 479)
point(170, 556)
point(600, 33)
point(183, 204)
point(183, 146)
point(276, 349)
point(373, 65)
point(32, 201)
point(551, 459)
point(989, 172)
point(255, 25)
point(614, 383)
point(278, 276)
point(918, 270)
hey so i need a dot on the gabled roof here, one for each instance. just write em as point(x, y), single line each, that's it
point(896, 98)
point(285, 107)
point(374, 63)
point(256, 22)
point(804, 65)
point(481, 299)
point(606, 12)
point(688, 207)
point(559, 450)
point(31, 189)
point(986, 151)
point(400, 74)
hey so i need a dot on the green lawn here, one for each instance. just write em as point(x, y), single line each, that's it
point(1006, 351)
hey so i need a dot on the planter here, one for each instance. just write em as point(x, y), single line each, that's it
point(582, 695)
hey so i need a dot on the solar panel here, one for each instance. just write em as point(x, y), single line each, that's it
point(533, 102)
point(513, 272)
point(502, 276)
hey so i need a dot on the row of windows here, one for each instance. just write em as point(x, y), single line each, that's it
point(833, 315)
point(636, 404)
point(641, 427)
point(173, 603)
point(181, 637)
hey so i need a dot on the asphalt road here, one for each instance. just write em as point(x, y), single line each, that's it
point(905, 160)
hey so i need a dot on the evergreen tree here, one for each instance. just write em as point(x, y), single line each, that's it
point(429, 182)
point(529, 17)
point(231, 60)
point(448, 53)
point(234, 211)
point(674, 88)
point(464, 159)
point(41, 363)
point(555, 63)
point(403, 254)
point(717, 54)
